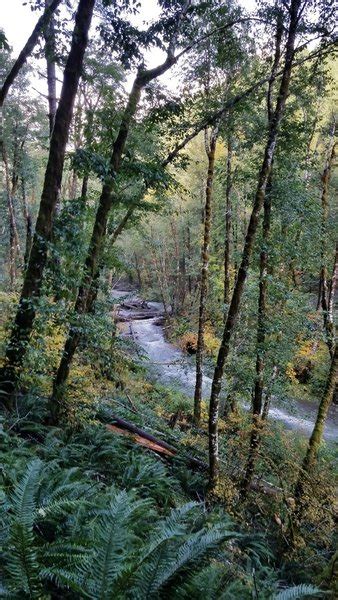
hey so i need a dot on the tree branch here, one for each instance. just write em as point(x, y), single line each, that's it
point(27, 49)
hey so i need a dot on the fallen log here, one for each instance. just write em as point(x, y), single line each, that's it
point(135, 304)
point(122, 316)
point(145, 439)
point(141, 440)
point(123, 427)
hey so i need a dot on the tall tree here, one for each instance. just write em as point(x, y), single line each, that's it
point(259, 412)
point(228, 221)
point(33, 279)
point(295, 10)
point(326, 286)
point(14, 243)
point(107, 198)
point(210, 147)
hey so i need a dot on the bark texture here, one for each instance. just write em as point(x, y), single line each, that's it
point(210, 150)
point(249, 243)
point(326, 287)
point(228, 226)
point(32, 285)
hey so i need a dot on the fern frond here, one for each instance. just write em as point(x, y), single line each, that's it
point(163, 565)
point(23, 497)
point(65, 578)
point(168, 529)
point(299, 591)
point(113, 536)
point(22, 560)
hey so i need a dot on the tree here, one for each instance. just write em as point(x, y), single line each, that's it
point(107, 198)
point(210, 147)
point(295, 15)
point(260, 411)
point(32, 285)
point(315, 439)
point(28, 48)
point(50, 52)
point(327, 288)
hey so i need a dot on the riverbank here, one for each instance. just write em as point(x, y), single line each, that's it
point(143, 322)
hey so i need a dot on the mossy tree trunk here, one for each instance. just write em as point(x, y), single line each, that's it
point(210, 150)
point(260, 412)
point(235, 303)
point(33, 279)
point(228, 227)
point(315, 439)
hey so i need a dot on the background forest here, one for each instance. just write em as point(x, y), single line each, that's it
point(168, 273)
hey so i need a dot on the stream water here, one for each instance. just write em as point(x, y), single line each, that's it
point(173, 368)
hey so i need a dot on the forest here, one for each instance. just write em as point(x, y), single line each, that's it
point(168, 269)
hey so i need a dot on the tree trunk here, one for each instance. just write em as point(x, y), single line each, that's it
point(317, 435)
point(107, 199)
point(14, 244)
point(32, 285)
point(248, 245)
point(27, 49)
point(28, 221)
point(257, 401)
point(325, 287)
point(84, 188)
point(228, 225)
point(50, 54)
point(210, 149)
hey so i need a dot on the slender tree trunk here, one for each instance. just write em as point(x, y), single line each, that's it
point(210, 149)
point(27, 49)
point(50, 54)
point(316, 436)
point(138, 271)
point(257, 400)
point(84, 188)
point(325, 287)
point(32, 285)
point(176, 277)
point(188, 244)
point(248, 245)
point(28, 222)
point(228, 225)
point(14, 244)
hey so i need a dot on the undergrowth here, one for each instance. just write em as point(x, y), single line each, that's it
point(87, 513)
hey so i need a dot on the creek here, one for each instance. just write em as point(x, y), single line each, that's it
point(143, 322)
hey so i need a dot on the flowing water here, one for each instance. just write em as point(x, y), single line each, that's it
point(173, 368)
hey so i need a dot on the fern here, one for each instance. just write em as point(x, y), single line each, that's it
point(113, 538)
point(67, 529)
point(22, 560)
point(298, 591)
point(161, 569)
